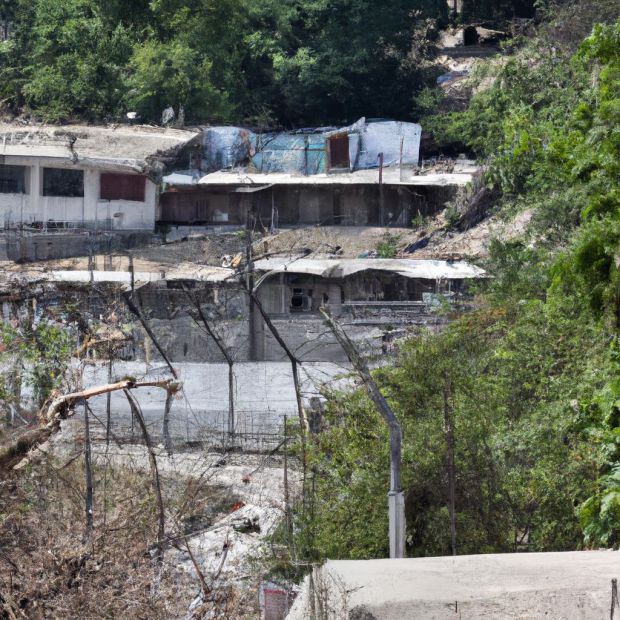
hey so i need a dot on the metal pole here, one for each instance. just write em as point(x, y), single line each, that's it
point(381, 198)
point(396, 498)
point(306, 145)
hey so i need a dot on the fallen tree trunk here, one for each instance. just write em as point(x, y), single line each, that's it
point(60, 409)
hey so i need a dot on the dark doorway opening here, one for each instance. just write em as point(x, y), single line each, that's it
point(339, 152)
point(470, 36)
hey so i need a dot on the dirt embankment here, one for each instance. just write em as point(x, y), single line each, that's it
point(439, 241)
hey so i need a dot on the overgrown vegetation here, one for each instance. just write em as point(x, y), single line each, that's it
point(531, 379)
point(388, 246)
point(292, 62)
point(35, 359)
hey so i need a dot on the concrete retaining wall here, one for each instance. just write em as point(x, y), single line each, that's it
point(263, 395)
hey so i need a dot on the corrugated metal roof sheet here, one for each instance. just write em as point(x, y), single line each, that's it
point(341, 268)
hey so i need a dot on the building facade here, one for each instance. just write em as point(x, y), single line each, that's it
point(92, 178)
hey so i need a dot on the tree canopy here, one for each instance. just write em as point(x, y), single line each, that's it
point(530, 379)
point(292, 62)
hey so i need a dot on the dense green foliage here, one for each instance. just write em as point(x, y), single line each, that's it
point(297, 61)
point(531, 379)
point(291, 62)
point(34, 361)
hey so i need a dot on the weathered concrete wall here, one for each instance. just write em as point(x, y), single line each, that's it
point(170, 315)
point(507, 586)
point(26, 247)
point(263, 395)
point(89, 211)
point(196, 206)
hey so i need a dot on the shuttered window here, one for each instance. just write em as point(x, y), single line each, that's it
point(122, 187)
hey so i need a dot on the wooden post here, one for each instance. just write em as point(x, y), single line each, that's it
point(249, 283)
point(88, 466)
point(287, 505)
point(306, 171)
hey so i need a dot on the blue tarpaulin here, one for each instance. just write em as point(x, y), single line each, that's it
point(309, 152)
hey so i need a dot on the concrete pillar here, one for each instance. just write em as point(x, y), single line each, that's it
point(36, 188)
point(396, 509)
point(283, 295)
point(91, 197)
point(152, 209)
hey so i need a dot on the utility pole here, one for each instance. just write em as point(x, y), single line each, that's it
point(396, 499)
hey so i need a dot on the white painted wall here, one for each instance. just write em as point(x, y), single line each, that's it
point(87, 212)
point(63, 209)
point(15, 208)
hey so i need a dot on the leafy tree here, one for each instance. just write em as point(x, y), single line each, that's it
point(352, 59)
point(531, 381)
point(34, 357)
point(172, 74)
point(75, 66)
point(497, 10)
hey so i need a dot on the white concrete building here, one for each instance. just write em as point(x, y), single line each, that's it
point(95, 178)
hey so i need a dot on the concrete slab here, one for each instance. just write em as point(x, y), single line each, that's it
point(120, 145)
point(570, 585)
point(391, 176)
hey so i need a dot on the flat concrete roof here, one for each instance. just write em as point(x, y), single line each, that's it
point(391, 176)
point(123, 145)
point(183, 271)
point(519, 585)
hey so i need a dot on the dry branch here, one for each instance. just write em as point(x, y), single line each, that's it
point(295, 363)
point(61, 408)
point(137, 412)
point(219, 342)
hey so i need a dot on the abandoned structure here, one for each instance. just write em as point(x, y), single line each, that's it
point(89, 178)
point(377, 300)
point(91, 186)
point(304, 285)
point(363, 198)
point(362, 175)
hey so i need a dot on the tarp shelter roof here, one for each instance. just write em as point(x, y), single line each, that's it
point(341, 268)
point(391, 176)
point(125, 146)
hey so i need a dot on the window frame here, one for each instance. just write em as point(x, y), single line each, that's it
point(48, 190)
